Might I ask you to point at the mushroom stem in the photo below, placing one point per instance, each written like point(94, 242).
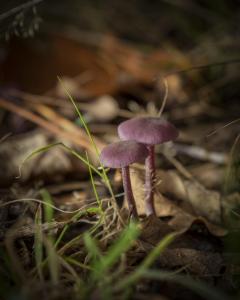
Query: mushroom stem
point(128, 192)
point(149, 181)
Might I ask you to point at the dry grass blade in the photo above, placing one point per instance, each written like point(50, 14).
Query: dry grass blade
point(164, 98)
point(65, 124)
point(49, 126)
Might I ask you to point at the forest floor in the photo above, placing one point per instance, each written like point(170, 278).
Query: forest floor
point(65, 231)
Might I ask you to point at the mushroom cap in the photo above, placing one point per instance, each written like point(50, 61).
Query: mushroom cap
point(147, 130)
point(122, 154)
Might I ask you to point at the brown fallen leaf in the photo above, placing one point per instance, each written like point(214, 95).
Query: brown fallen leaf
point(199, 256)
point(188, 206)
point(197, 262)
point(208, 174)
point(154, 229)
point(204, 202)
point(182, 222)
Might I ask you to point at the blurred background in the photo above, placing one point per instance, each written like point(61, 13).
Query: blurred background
point(42, 39)
point(121, 59)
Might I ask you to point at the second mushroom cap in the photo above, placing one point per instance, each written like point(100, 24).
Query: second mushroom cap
point(122, 154)
point(147, 130)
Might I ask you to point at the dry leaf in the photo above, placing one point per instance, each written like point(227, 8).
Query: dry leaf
point(208, 174)
point(15, 150)
point(154, 229)
point(197, 262)
point(204, 202)
point(186, 208)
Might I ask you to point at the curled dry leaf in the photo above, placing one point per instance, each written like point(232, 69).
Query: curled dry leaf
point(204, 260)
point(190, 202)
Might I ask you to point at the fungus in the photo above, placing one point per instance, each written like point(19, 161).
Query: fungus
point(149, 131)
point(121, 155)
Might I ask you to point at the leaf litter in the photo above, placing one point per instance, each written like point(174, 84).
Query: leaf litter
point(81, 235)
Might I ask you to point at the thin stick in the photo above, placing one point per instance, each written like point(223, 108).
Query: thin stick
point(2, 139)
point(19, 8)
point(165, 97)
point(224, 126)
point(199, 67)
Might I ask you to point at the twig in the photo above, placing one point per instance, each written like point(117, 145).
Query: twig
point(165, 97)
point(53, 101)
point(222, 127)
point(2, 139)
point(178, 165)
point(199, 67)
point(19, 8)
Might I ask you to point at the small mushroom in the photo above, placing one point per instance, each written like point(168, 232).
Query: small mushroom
point(149, 131)
point(121, 155)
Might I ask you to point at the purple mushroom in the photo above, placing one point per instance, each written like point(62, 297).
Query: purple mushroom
point(121, 155)
point(149, 131)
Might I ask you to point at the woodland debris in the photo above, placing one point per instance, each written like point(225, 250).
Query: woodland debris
point(187, 201)
point(15, 150)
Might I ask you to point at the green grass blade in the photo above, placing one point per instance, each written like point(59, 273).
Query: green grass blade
point(157, 250)
point(124, 243)
point(48, 209)
point(48, 147)
point(77, 263)
point(103, 175)
point(92, 247)
point(148, 261)
point(38, 243)
point(70, 243)
point(91, 210)
point(94, 186)
point(52, 260)
point(80, 117)
point(61, 235)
